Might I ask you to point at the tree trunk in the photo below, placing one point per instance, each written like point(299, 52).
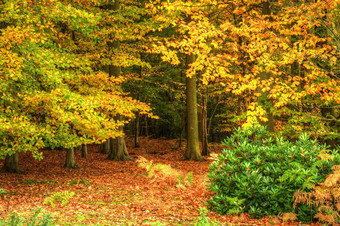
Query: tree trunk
point(118, 150)
point(137, 130)
point(265, 76)
point(183, 126)
point(270, 123)
point(330, 118)
point(192, 152)
point(146, 126)
point(11, 164)
point(70, 162)
point(84, 151)
point(205, 150)
point(105, 147)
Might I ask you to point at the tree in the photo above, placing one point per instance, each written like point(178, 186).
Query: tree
point(192, 152)
point(51, 94)
point(190, 39)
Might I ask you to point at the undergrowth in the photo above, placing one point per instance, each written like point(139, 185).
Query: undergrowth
point(325, 196)
point(37, 219)
point(2, 193)
point(259, 175)
point(78, 181)
point(59, 197)
point(162, 172)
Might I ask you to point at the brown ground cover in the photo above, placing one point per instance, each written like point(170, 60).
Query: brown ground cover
point(114, 193)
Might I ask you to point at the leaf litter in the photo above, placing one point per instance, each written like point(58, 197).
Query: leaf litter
point(116, 193)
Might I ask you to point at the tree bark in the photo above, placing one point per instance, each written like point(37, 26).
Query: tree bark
point(192, 152)
point(328, 113)
point(205, 150)
point(11, 164)
point(105, 147)
point(146, 126)
point(84, 151)
point(70, 162)
point(183, 126)
point(137, 145)
point(265, 76)
point(118, 150)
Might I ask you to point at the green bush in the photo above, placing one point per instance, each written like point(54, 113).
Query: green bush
point(259, 175)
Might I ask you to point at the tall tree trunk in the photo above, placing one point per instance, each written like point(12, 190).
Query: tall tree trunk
point(70, 162)
point(205, 150)
point(137, 130)
point(192, 152)
point(146, 126)
point(84, 151)
point(265, 76)
point(118, 151)
point(183, 126)
point(11, 164)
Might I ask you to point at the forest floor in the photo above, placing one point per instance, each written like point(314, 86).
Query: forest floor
point(115, 193)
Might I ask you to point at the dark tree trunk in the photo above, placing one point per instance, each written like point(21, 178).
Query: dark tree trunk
point(118, 150)
point(84, 151)
point(105, 147)
point(11, 164)
point(137, 131)
point(205, 150)
point(183, 126)
point(70, 162)
point(266, 76)
point(192, 152)
point(330, 118)
point(146, 126)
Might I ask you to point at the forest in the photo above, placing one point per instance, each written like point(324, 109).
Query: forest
point(169, 112)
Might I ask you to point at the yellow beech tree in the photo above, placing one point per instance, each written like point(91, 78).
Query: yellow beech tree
point(286, 68)
point(51, 93)
point(276, 59)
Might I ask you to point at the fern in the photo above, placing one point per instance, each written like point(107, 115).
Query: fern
point(162, 172)
point(190, 177)
point(61, 197)
point(325, 196)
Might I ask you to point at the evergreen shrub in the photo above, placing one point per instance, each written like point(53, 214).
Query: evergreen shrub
point(259, 175)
